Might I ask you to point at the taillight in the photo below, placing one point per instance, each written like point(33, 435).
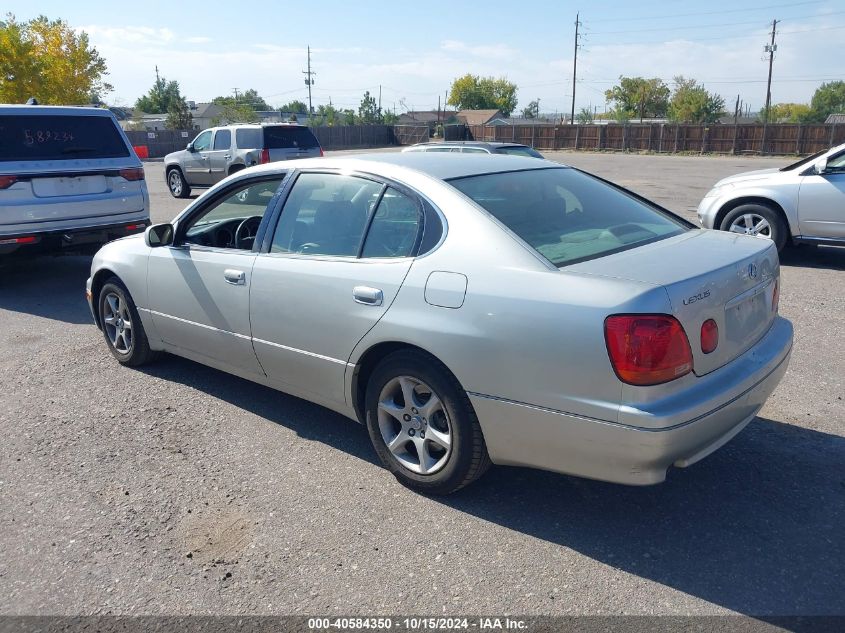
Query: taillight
point(134, 173)
point(647, 349)
point(776, 296)
point(265, 156)
point(321, 152)
point(7, 181)
point(709, 336)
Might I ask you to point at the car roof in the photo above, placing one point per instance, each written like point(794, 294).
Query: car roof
point(490, 144)
point(21, 110)
point(441, 166)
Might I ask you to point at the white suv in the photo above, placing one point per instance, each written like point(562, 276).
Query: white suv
point(69, 180)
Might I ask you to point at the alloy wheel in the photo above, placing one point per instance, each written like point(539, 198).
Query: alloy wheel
point(414, 425)
point(752, 224)
point(175, 182)
point(117, 322)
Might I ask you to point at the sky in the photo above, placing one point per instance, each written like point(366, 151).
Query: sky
point(413, 51)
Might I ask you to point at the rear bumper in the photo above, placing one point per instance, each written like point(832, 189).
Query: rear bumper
point(75, 239)
point(525, 435)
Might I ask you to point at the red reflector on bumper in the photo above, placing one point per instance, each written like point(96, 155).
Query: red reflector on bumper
point(134, 227)
point(30, 239)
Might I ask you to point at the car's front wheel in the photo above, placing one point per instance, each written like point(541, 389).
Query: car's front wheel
point(122, 328)
point(422, 424)
point(757, 220)
point(177, 184)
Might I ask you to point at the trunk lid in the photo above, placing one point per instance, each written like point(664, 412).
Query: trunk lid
point(708, 275)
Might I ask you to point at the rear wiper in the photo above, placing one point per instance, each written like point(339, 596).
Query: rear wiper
point(78, 150)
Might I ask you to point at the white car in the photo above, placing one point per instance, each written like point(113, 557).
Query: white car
point(803, 202)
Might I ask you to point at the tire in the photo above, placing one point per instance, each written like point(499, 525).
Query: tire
point(448, 420)
point(129, 345)
point(758, 220)
point(177, 184)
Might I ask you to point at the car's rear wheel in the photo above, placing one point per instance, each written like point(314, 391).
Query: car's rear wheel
point(177, 184)
point(122, 328)
point(757, 220)
point(422, 424)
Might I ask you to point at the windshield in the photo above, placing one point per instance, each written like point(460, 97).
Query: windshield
point(567, 215)
point(804, 161)
point(519, 150)
point(58, 137)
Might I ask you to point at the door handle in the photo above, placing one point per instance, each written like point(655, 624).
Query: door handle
point(227, 157)
point(367, 296)
point(235, 277)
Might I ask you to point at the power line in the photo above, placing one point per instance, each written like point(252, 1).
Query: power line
point(690, 15)
point(720, 38)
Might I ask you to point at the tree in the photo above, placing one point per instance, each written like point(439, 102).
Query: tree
point(163, 96)
point(790, 113)
point(235, 113)
point(691, 103)
point(532, 111)
point(368, 111)
point(828, 99)
point(584, 116)
point(48, 60)
point(472, 92)
point(639, 97)
point(179, 116)
point(248, 98)
point(296, 106)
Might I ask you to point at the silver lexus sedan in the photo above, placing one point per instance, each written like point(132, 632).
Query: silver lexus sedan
point(467, 309)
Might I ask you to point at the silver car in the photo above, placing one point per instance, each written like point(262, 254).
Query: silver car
point(69, 180)
point(801, 203)
point(221, 151)
point(466, 309)
point(475, 147)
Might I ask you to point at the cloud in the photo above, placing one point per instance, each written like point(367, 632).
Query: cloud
point(198, 40)
point(495, 51)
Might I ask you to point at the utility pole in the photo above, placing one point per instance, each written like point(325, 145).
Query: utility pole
point(770, 49)
point(236, 95)
point(575, 66)
point(309, 82)
point(379, 99)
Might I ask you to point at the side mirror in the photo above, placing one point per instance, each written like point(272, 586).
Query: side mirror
point(190, 147)
point(820, 166)
point(159, 235)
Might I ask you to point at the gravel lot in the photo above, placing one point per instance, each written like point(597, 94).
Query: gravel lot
point(178, 489)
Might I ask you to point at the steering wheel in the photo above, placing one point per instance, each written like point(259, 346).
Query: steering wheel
point(246, 231)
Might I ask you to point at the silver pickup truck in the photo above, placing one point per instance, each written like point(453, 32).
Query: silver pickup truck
point(220, 151)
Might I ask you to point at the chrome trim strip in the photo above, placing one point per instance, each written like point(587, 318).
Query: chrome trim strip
point(301, 351)
point(202, 325)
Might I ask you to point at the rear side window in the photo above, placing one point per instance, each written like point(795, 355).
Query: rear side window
point(519, 150)
point(287, 137)
point(566, 215)
point(248, 138)
point(394, 228)
point(222, 139)
point(54, 137)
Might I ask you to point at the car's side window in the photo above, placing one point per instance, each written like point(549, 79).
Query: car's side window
point(473, 150)
point(836, 163)
point(395, 226)
point(222, 139)
point(232, 221)
point(325, 214)
point(203, 141)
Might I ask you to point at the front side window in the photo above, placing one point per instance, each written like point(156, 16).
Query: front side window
point(222, 139)
point(836, 163)
point(326, 214)
point(203, 141)
point(232, 221)
point(566, 215)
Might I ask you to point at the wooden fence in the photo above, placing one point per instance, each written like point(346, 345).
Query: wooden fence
point(780, 138)
point(162, 142)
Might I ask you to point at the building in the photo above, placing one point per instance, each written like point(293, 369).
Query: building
point(835, 119)
point(479, 117)
point(426, 117)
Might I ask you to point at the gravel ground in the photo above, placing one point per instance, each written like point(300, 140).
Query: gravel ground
point(177, 489)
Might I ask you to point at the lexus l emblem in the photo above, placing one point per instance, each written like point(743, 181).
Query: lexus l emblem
point(752, 271)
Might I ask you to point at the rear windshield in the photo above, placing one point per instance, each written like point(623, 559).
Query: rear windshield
point(286, 137)
point(519, 150)
point(53, 137)
point(566, 215)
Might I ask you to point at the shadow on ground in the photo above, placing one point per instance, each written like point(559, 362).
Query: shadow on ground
point(832, 257)
point(755, 528)
point(49, 287)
